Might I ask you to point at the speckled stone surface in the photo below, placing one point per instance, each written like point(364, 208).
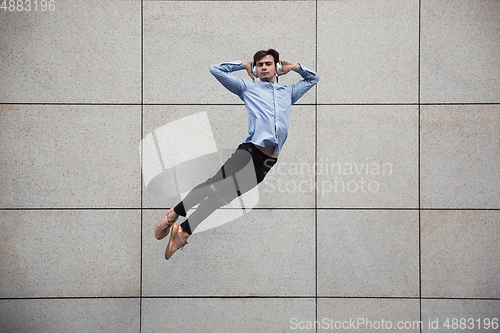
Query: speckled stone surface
point(68, 156)
point(366, 314)
point(183, 38)
point(461, 315)
point(367, 156)
point(368, 51)
point(459, 160)
point(262, 253)
point(70, 253)
point(70, 315)
point(246, 315)
point(459, 51)
point(460, 253)
point(384, 204)
point(368, 253)
point(83, 51)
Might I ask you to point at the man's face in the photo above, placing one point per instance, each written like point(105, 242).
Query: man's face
point(266, 69)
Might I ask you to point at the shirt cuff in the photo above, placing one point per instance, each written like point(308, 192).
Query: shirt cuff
point(303, 70)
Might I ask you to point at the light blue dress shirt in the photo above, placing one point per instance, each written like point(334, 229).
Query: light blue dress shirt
point(268, 104)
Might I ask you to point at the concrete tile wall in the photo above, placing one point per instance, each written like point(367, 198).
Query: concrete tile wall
point(76, 156)
point(70, 315)
point(368, 51)
point(79, 52)
point(383, 207)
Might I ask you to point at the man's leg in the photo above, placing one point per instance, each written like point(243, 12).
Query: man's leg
point(204, 210)
point(223, 192)
point(242, 181)
point(215, 200)
point(194, 197)
point(214, 185)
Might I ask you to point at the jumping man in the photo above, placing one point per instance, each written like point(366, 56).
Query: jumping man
point(269, 107)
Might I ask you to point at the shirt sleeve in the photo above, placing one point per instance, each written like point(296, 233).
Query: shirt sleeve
point(232, 83)
point(310, 78)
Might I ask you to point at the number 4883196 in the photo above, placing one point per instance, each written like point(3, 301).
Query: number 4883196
point(28, 5)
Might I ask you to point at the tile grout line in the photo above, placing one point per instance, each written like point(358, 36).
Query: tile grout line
point(249, 297)
point(316, 175)
point(240, 104)
point(258, 208)
point(418, 171)
point(142, 152)
point(316, 156)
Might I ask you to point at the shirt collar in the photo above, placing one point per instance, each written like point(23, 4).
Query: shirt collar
point(276, 83)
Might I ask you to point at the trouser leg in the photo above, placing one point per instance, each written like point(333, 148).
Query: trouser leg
point(216, 199)
point(194, 197)
point(204, 210)
point(230, 188)
point(221, 189)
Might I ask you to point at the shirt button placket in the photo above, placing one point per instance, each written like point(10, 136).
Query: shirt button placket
point(275, 115)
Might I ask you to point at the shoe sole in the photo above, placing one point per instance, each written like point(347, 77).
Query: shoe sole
point(175, 229)
point(156, 226)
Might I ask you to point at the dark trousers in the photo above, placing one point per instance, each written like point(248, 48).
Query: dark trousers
point(246, 168)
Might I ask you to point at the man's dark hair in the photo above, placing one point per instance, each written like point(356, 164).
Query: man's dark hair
point(262, 53)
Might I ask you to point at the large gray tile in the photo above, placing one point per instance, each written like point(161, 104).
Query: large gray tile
point(83, 51)
point(368, 156)
point(460, 315)
point(460, 253)
point(368, 315)
point(69, 156)
point(185, 145)
point(459, 160)
point(183, 38)
point(70, 315)
point(459, 51)
point(368, 253)
point(64, 253)
point(215, 315)
point(262, 253)
point(368, 51)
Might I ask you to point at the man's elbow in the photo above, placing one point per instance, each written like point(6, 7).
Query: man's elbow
point(213, 69)
point(316, 78)
point(312, 78)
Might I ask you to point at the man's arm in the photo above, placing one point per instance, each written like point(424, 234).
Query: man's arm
point(310, 78)
point(287, 66)
point(233, 83)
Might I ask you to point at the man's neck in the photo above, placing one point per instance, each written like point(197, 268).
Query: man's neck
point(270, 80)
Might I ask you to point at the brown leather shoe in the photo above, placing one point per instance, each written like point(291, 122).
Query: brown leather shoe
point(178, 239)
point(162, 228)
